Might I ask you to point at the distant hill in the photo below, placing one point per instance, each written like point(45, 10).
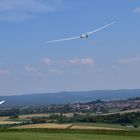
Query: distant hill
point(68, 97)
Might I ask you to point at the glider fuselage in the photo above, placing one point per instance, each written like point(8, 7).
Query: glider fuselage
point(84, 36)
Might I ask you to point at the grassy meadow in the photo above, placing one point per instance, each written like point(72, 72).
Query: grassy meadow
point(61, 136)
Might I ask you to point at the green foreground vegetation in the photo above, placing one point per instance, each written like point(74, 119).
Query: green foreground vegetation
point(62, 136)
point(57, 134)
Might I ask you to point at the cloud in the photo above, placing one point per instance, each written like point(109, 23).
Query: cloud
point(32, 71)
point(129, 60)
point(82, 61)
point(46, 61)
point(137, 10)
point(64, 62)
point(30, 68)
point(87, 61)
point(56, 71)
point(17, 10)
point(4, 72)
point(75, 61)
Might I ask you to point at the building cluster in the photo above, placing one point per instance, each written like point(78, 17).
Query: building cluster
point(106, 106)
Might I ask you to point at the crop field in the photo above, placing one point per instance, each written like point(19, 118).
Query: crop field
point(104, 126)
point(122, 112)
point(44, 115)
point(70, 126)
point(85, 126)
point(61, 136)
point(4, 120)
point(8, 122)
point(47, 125)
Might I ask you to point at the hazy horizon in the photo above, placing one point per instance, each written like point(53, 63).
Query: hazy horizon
point(65, 91)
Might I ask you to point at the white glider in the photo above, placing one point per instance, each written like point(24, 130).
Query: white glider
point(2, 102)
point(84, 35)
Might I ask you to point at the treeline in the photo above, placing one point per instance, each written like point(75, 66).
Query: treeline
point(35, 110)
point(9, 112)
point(123, 119)
point(126, 118)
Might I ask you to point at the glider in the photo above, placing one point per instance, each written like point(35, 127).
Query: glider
point(83, 35)
point(2, 102)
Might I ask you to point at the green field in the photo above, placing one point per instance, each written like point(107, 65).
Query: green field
point(67, 134)
point(61, 136)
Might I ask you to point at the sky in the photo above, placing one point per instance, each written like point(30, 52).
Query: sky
point(108, 59)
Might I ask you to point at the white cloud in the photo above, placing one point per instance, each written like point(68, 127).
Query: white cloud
point(137, 10)
point(75, 61)
point(32, 71)
point(129, 60)
point(87, 61)
point(4, 72)
point(55, 71)
point(46, 61)
point(82, 61)
point(30, 68)
point(17, 10)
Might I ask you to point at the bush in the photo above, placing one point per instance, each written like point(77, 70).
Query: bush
point(38, 120)
point(136, 126)
point(123, 124)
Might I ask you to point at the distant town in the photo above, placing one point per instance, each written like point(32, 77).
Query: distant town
point(94, 107)
point(100, 106)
